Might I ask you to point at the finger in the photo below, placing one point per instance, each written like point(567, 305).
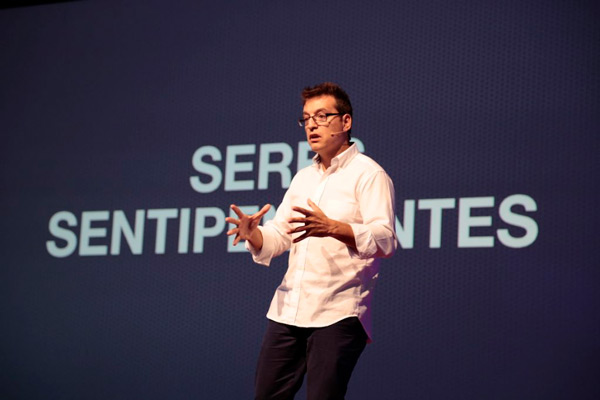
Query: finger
point(313, 205)
point(232, 221)
point(262, 211)
point(302, 210)
point(236, 240)
point(237, 210)
point(299, 238)
point(298, 229)
point(300, 220)
point(232, 231)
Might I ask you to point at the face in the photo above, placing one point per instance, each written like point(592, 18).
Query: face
point(330, 139)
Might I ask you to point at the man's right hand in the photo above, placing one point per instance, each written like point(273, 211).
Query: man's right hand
point(246, 226)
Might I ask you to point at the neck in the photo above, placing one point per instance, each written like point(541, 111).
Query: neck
point(326, 158)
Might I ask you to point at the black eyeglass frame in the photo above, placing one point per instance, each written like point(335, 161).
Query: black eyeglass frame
point(302, 121)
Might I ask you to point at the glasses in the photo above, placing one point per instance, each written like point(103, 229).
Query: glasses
point(320, 118)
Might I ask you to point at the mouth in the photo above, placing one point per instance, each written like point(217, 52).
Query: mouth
point(313, 137)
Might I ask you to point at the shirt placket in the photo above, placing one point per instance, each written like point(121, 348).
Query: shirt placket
point(303, 253)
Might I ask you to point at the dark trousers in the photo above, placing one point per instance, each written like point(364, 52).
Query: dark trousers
point(327, 355)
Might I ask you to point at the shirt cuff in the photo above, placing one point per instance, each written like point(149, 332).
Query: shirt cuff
point(265, 254)
point(366, 247)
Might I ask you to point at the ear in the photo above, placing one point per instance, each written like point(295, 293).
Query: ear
point(347, 121)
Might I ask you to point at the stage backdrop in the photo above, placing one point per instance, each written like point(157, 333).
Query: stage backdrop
point(128, 128)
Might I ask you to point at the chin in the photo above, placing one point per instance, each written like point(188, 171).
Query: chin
point(314, 147)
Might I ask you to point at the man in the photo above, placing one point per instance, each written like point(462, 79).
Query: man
point(337, 220)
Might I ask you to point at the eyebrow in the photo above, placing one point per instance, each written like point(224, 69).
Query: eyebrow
point(320, 109)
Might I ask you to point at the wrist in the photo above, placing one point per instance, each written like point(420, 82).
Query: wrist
point(256, 239)
point(343, 232)
point(334, 228)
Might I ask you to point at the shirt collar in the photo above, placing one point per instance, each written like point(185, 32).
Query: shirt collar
point(339, 161)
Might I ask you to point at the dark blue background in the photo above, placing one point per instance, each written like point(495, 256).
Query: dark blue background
point(102, 105)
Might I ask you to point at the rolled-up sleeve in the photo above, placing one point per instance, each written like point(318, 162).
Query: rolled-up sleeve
point(274, 243)
point(375, 236)
point(276, 240)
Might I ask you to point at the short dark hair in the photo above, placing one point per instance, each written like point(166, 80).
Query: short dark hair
point(342, 101)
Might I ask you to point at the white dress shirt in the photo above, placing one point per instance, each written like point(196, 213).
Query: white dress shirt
point(326, 280)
